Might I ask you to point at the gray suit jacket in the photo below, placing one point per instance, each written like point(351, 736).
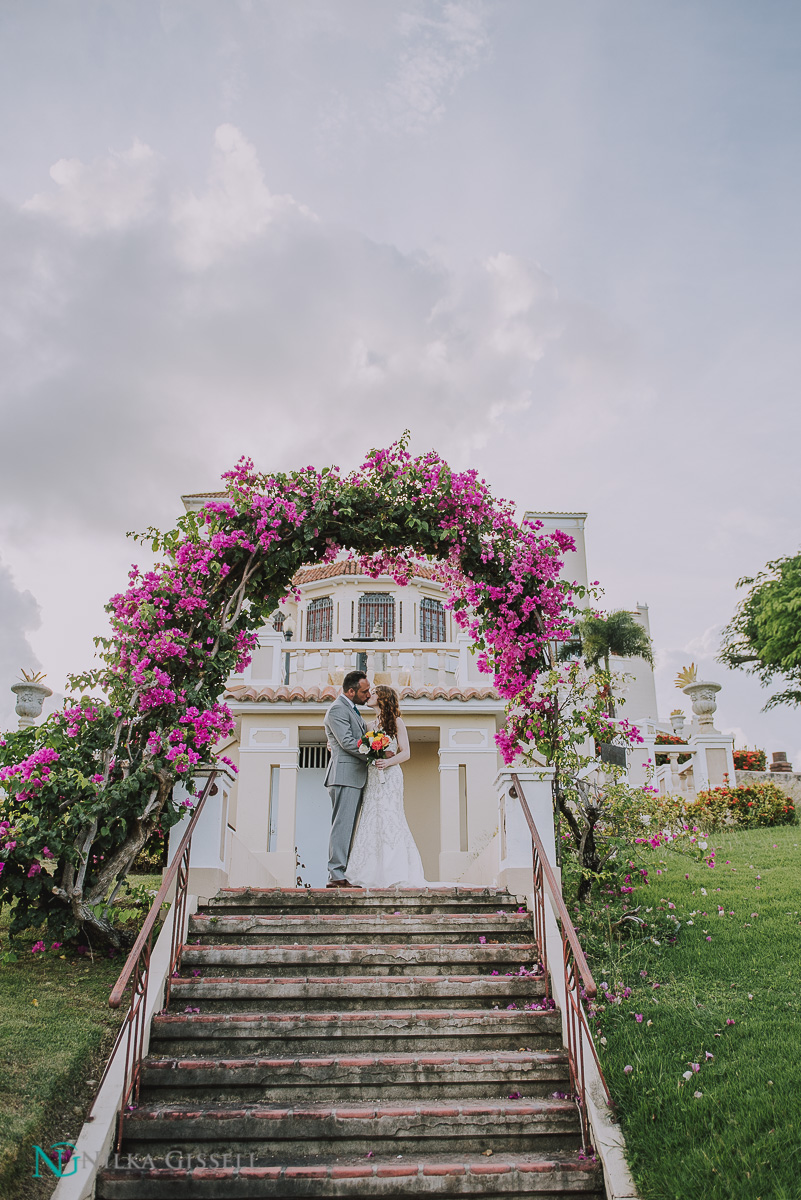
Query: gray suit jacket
point(347, 767)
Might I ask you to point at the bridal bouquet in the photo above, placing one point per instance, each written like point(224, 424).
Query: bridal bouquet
point(375, 745)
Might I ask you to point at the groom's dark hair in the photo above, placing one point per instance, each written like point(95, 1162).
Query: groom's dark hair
point(352, 681)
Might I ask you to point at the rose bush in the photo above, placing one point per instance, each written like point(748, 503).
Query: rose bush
point(747, 806)
point(750, 760)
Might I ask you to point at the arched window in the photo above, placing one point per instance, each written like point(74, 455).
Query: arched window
point(432, 621)
point(320, 619)
point(377, 615)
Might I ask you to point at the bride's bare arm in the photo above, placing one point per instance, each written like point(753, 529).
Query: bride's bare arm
point(403, 752)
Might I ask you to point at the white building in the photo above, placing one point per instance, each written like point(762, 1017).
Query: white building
point(271, 824)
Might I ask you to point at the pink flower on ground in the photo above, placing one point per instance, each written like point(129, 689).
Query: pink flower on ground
point(56, 946)
point(638, 1018)
point(729, 1021)
point(628, 1069)
point(38, 948)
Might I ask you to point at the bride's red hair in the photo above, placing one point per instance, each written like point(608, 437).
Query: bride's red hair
point(388, 708)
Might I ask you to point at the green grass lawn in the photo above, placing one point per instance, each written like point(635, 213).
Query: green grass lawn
point(56, 1030)
point(725, 997)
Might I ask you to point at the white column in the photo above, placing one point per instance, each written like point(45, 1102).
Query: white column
point(463, 669)
point(448, 805)
point(273, 639)
point(714, 757)
point(209, 840)
point(515, 842)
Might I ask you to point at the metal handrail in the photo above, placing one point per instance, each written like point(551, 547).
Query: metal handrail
point(577, 975)
point(137, 967)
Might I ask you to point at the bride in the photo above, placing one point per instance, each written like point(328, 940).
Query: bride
point(383, 852)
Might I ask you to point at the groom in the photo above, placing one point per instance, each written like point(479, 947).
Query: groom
point(347, 771)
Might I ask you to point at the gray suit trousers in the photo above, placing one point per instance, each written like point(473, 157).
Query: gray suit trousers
point(346, 801)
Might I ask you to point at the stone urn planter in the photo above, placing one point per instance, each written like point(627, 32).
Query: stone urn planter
point(31, 695)
point(703, 695)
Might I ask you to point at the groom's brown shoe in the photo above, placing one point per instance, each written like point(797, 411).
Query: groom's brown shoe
point(340, 883)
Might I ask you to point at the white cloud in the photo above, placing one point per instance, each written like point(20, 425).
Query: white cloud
point(438, 52)
point(236, 207)
point(197, 335)
point(111, 193)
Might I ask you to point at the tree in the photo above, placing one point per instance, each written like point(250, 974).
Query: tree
point(617, 633)
point(764, 635)
point(562, 716)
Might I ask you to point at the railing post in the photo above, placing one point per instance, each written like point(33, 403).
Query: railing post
point(515, 860)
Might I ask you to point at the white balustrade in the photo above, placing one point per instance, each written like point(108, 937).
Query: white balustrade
point(315, 664)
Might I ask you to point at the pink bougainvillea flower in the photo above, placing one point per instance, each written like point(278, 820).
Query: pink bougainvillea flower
point(638, 1018)
point(38, 948)
point(35, 869)
point(628, 1069)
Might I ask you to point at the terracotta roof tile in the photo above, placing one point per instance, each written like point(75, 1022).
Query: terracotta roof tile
point(244, 693)
point(347, 567)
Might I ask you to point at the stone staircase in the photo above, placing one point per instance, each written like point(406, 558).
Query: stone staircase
point(341, 1043)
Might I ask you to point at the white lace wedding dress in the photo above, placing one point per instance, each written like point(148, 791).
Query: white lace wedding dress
point(383, 852)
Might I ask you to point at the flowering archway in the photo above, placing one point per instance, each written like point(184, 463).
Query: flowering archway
point(84, 791)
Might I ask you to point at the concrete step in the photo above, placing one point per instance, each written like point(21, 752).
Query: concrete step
point(351, 993)
point(368, 1077)
point(553, 1176)
point(386, 959)
point(300, 1033)
point(323, 900)
point(347, 929)
point(378, 1127)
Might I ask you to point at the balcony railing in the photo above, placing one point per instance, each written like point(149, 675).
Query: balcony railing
point(401, 664)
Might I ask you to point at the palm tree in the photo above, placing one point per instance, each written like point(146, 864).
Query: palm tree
point(618, 633)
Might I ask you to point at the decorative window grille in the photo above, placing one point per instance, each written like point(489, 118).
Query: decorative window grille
point(278, 621)
point(432, 621)
point(314, 756)
point(377, 615)
point(320, 620)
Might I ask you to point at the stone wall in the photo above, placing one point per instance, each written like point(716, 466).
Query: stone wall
point(787, 781)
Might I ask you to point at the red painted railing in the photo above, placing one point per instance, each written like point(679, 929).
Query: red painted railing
point(577, 975)
point(137, 967)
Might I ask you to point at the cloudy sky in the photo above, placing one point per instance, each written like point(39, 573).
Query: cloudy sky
point(557, 239)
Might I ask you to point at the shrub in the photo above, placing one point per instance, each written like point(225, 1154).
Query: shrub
point(747, 806)
point(669, 739)
point(750, 760)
